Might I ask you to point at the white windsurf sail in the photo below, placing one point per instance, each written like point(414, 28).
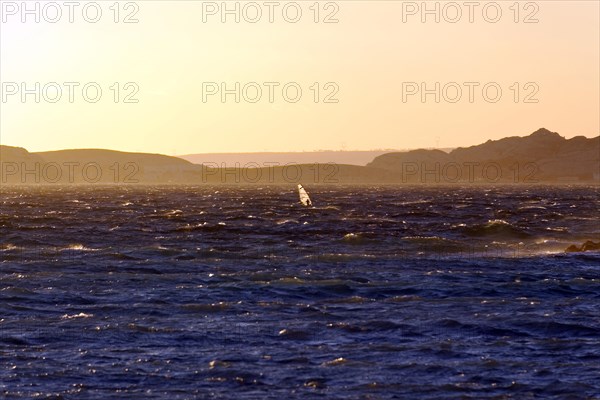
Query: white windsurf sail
point(304, 199)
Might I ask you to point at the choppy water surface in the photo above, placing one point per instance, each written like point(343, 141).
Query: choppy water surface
point(229, 292)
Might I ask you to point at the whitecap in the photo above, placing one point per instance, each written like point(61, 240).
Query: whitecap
point(77, 247)
point(287, 221)
point(80, 315)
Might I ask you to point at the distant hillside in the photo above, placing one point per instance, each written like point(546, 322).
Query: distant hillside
point(299, 173)
point(282, 158)
point(111, 156)
point(543, 156)
point(109, 167)
point(90, 166)
point(17, 154)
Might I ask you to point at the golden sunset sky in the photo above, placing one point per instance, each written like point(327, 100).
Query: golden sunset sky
point(372, 54)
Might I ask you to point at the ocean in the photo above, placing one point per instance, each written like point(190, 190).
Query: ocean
point(386, 292)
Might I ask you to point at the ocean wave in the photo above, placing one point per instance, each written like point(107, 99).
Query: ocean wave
point(75, 316)
point(10, 247)
point(353, 238)
point(287, 221)
point(496, 227)
point(77, 247)
point(203, 226)
point(338, 257)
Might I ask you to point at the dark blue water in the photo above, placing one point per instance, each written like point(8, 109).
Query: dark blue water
point(228, 292)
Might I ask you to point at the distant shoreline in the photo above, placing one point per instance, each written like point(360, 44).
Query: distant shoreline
point(542, 157)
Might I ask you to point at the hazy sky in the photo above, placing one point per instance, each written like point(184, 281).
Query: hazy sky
point(374, 62)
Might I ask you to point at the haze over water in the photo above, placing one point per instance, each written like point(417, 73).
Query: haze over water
point(222, 292)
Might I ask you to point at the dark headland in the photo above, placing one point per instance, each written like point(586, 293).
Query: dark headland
point(542, 157)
